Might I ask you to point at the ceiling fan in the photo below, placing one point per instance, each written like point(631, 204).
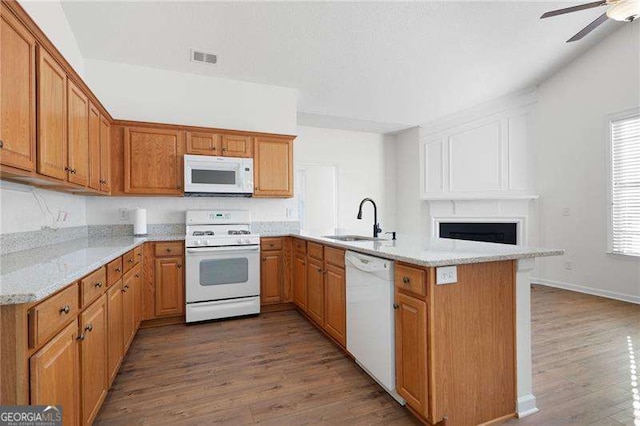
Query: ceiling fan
point(619, 10)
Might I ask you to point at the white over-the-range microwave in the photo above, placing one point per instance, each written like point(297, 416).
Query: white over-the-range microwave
point(223, 176)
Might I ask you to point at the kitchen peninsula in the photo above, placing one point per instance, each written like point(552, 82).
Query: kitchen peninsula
point(455, 343)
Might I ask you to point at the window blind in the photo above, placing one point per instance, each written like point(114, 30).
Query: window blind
point(625, 190)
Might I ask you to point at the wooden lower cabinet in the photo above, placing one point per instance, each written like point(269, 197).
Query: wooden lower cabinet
point(128, 309)
point(335, 303)
point(169, 287)
point(115, 329)
point(299, 278)
point(411, 351)
point(93, 358)
point(54, 374)
point(271, 277)
point(315, 290)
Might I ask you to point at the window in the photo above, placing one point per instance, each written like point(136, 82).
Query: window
point(625, 184)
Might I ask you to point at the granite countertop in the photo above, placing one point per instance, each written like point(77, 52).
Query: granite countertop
point(436, 251)
point(31, 275)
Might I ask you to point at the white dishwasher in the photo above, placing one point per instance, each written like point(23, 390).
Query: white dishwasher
point(370, 318)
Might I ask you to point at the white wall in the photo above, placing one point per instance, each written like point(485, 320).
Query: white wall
point(411, 212)
point(26, 208)
point(572, 172)
point(365, 169)
point(51, 19)
point(148, 94)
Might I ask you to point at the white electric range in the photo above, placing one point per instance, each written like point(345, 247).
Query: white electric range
point(223, 265)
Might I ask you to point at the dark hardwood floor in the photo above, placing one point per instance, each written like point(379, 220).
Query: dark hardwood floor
point(278, 369)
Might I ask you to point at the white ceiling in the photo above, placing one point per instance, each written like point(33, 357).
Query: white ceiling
point(364, 66)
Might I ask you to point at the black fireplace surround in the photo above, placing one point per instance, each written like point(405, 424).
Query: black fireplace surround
point(492, 232)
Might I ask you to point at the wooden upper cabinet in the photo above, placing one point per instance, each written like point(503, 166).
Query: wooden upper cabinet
point(105, 155)
point(273, 167)
point(94, 148)
point(237, 146)
point(153, 161)
point(54, 374)
point(52, 117)
point(17, 93)
point(200, 143)
point(78, 135)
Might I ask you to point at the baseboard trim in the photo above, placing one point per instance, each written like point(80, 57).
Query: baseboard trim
point(587, 290)
point(526, 406)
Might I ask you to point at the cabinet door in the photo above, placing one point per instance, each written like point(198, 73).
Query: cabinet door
point(54, 374)
point(78, 135)
point(114, 327)
point(93, 358)
point(95, 162)
point(411, 351)
point(273, 167)
point(17, 93)
point(169, 287)
point(153, 161)
point(52, 117)
point(300, 281)
point(237, 146)
point(137, 275)
point(335, 312)
point(204, 143)
point(271, 277)
point(315, 291)
point(105, 155)
point(128, 310)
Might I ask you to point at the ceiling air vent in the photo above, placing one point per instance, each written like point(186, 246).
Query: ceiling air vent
point(199, 56)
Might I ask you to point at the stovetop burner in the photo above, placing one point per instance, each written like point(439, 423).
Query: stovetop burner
point(239, 232)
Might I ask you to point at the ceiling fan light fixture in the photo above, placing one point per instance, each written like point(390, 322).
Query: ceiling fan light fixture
point(627, 10)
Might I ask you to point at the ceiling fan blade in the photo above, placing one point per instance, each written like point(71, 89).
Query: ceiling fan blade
point(573, 9)
point(592, 26)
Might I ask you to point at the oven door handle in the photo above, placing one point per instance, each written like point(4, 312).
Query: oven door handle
point(219, 249)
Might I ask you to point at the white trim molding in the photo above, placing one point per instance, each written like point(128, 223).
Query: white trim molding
point(587, 290)
point(526, 401)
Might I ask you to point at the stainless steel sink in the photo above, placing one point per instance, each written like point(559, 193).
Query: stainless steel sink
point(351, 238)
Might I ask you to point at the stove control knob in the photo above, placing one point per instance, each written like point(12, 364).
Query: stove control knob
point(198, 242)
point(239, 240)
point(247, 241)
point(208, 242)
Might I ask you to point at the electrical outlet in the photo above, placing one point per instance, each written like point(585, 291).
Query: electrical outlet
point(566, 211)
point(568, 265)
point(288, 212)
point(446, 275)
point(124, 215)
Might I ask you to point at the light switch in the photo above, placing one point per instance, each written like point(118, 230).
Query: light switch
point(446, 275)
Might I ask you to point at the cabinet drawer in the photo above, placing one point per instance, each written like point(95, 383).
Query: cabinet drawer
point(334, 256)
point(173, 248)
point(92, 286)
point(411, 279)
point(114, 271)
point(137, 254)
point(128, 260)
point(315, 250)
point(46, 318)
point(300, 246)
point(271, 243)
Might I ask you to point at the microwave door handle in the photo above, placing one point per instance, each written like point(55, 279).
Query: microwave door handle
point(219, 249)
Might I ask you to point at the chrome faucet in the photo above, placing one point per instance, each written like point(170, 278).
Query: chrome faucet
point(376, 225)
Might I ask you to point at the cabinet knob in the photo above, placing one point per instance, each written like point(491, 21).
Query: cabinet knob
point(396, 306)
point(89, 327)
point(319, 270)
point(406, 280)
point(66, 309)
point(1, 144)
point(130, 260)
point(80, 337)
point(168, 250)
point(137, 275)
point(179, 265)
point(118, 269)
point(98, 284)
point(67, 169)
